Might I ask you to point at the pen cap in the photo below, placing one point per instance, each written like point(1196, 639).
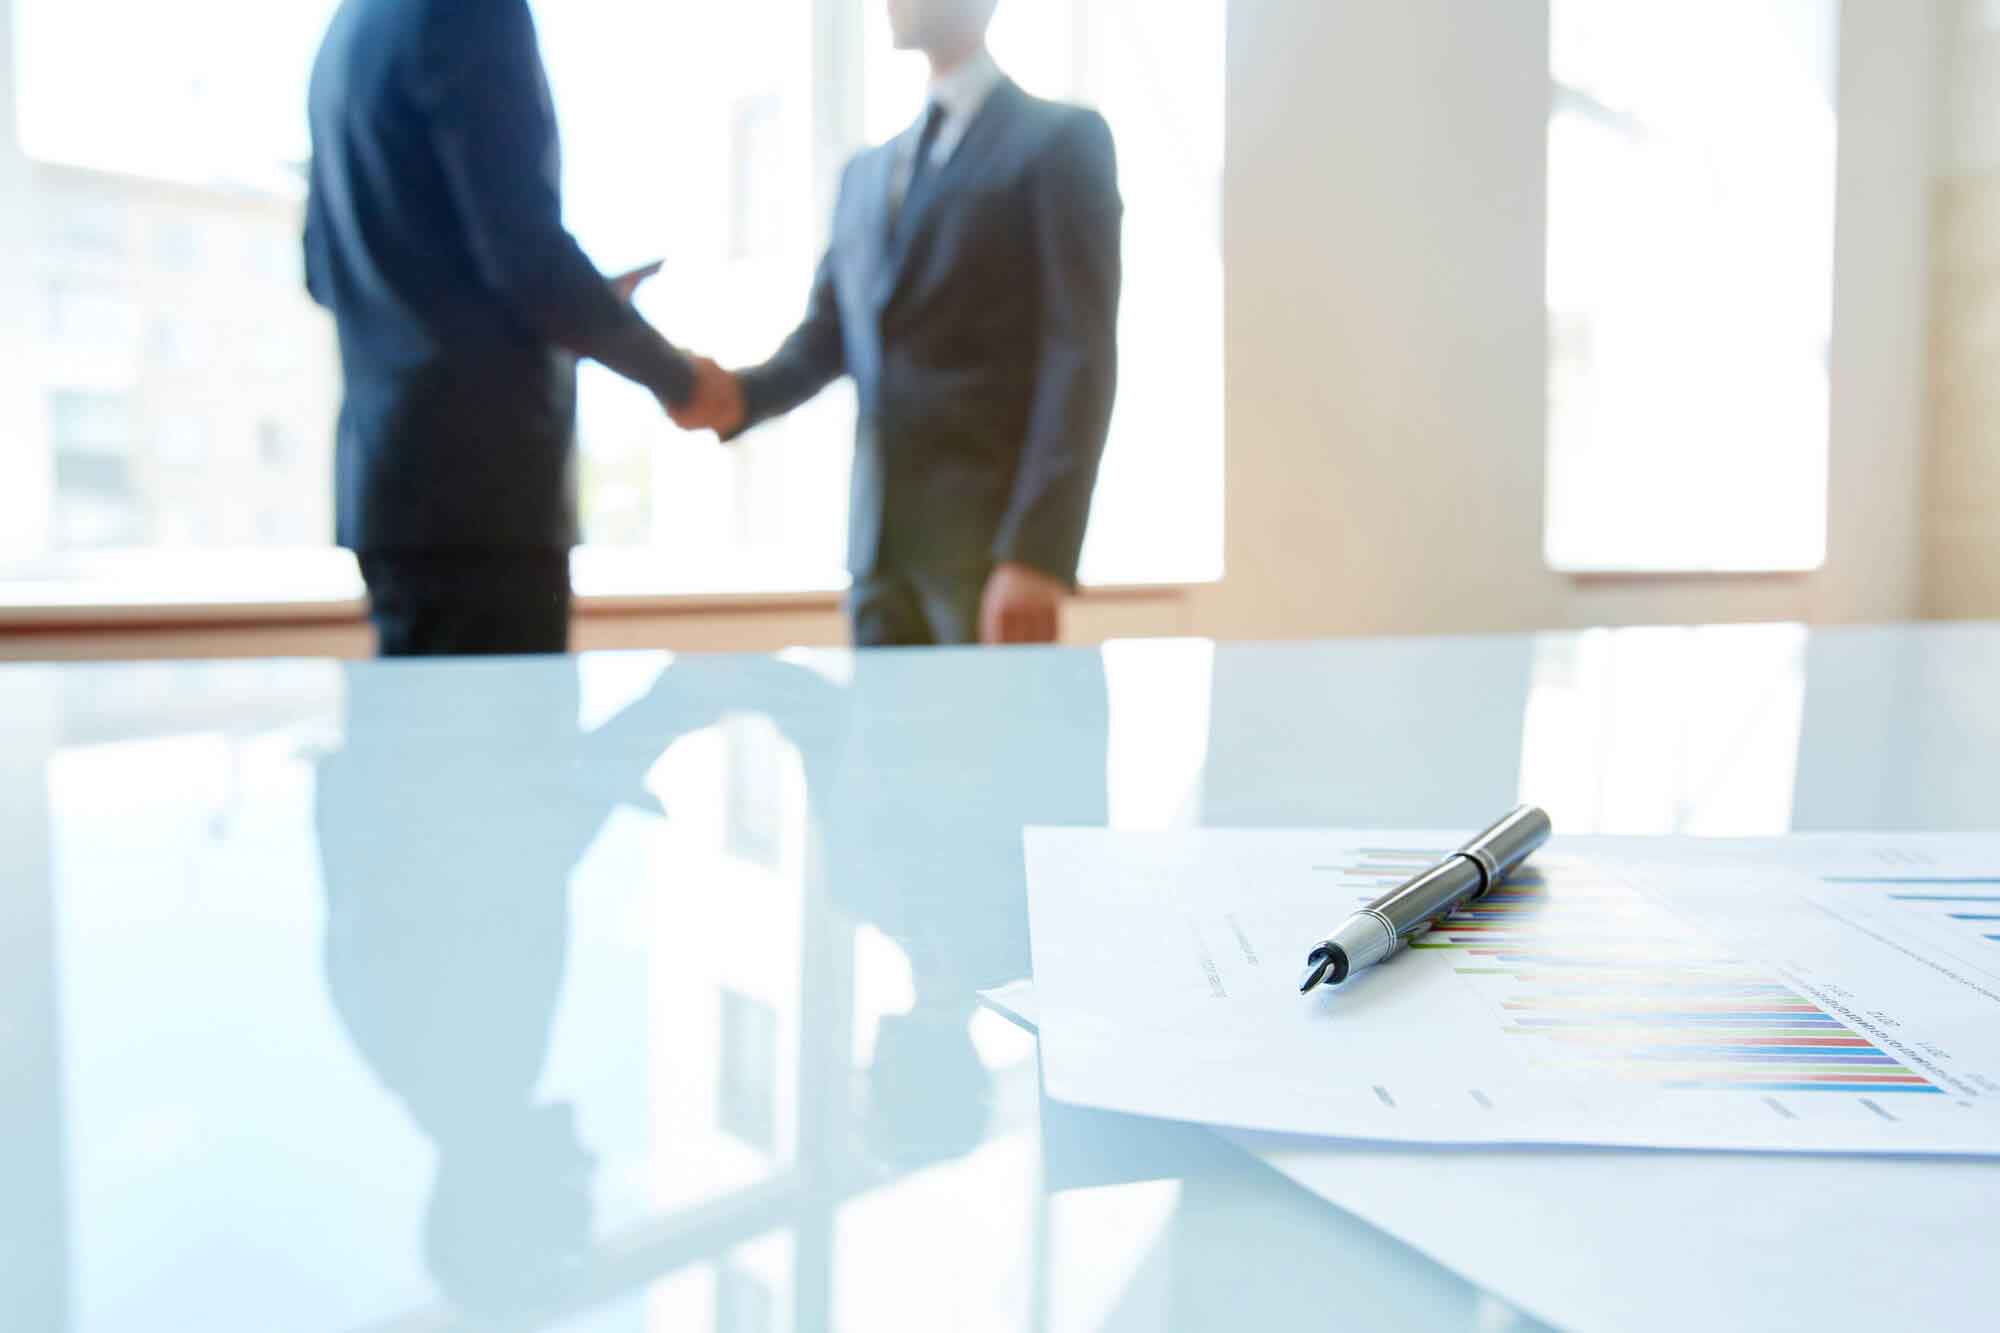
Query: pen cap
point(1508, 843)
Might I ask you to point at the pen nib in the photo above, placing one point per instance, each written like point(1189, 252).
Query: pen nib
point(1317, 967)
point(1325, 966)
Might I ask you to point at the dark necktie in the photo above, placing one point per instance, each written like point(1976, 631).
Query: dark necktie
point(920, 167)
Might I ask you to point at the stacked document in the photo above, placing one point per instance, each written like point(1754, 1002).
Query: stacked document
point(1829, 1004)
point(1657, 994)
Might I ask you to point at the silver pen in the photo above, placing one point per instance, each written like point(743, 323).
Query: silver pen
point(1413, 907)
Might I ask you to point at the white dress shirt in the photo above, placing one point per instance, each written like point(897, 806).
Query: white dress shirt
point(961, 93)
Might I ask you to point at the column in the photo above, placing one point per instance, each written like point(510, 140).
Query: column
point(1962, 507)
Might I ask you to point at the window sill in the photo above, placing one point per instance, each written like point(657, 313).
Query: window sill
point(1602, 577)
point(137, 615)
point(603, 593)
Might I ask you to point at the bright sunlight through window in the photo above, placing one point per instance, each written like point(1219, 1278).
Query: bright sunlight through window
point(1690, 280)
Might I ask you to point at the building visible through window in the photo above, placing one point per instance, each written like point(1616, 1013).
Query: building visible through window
point(91, 438)
point(136, 326)
point(163, 176)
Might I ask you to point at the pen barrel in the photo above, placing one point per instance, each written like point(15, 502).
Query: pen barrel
point(1508, 843)
point(1413, 907)
point(1435, 894)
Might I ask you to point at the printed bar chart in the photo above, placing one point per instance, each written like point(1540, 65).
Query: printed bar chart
point(1659, 993)
point(1616, 988)
point(1963, 906)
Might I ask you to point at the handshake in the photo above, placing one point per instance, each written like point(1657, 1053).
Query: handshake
point(716, 403)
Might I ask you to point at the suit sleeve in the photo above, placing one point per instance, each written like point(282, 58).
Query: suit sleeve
point(485, 92)
point(1078, 217)
point(814, 356)
point(314, 268)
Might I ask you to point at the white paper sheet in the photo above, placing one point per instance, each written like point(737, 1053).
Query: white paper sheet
point(1661, 1242)
point(1654, 993)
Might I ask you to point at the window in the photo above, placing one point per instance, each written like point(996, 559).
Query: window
point(87, 229)
point(181, 342)
point(85, 423)
point(748, 1086)
point(1690, 280)
point(756, 226)
point(181, 440)
point(91, 436)
point(273, 256)
point(177, 245)
point(710, 136)
point(98, 322)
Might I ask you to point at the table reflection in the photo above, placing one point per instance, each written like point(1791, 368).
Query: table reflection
point(447, 923)
point(633, 992)
point(449, 883)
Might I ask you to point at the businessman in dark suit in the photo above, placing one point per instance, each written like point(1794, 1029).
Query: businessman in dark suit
point(971, 291)
point(434, 234)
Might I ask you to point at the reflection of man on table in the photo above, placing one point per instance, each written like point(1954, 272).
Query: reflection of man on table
point(932, 856)
point(447, 935)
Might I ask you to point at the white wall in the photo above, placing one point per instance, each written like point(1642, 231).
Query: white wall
point(24, 461)
point(1384, 214)
point(1962, 514)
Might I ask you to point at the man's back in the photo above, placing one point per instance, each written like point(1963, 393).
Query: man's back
point(387, 248)
point(434, 233)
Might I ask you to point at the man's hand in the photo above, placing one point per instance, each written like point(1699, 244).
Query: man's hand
point(717, 403)
point(1021, 605)
point(627, 285)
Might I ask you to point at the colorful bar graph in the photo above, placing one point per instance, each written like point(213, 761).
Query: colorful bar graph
point(1912, 879)
point(1945, 897)
point(1945, 900)
point(1611, 985)
point(1713, 1086)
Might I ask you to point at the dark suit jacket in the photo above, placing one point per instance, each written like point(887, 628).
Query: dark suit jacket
point(434, 233)
point(982, 338)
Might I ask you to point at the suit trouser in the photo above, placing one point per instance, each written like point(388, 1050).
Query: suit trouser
point(434, 603)
point(895, 608)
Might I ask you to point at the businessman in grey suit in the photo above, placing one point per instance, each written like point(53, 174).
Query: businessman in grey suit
point(971, 291)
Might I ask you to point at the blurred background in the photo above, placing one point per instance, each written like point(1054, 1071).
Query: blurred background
point(1439, 317)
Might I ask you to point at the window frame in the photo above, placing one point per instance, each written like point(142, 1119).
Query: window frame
point(1572, 99)
point(147, 586)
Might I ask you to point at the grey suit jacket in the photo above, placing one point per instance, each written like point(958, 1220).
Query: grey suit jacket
point(981, 334)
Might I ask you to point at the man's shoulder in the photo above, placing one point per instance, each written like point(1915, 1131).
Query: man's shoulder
point(436, 29)
point(1054, 115)
point(366, 30)
point(864, 161)
point(378, 18)
point(1048, 126)
point(874, 152)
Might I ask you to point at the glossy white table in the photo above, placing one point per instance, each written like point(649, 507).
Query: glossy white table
point(624, 993)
